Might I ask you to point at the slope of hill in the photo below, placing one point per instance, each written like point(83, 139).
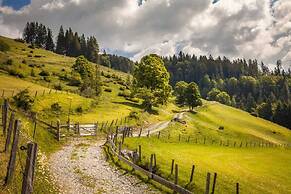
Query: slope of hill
point(257, 169)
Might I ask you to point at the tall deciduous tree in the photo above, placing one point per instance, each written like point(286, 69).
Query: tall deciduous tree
point(192, 95)
point(151, 81)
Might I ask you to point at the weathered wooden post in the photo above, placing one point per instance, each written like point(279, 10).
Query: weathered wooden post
point(140, 131)
point(34, 129)
point(96, 128)
point(192, 173)
point(176, 174)
point(172, 166)
point(148, 133)
point(3, 93)
point(43, 92)
point(28, 176)
point(139, 153)
point(35, 95)
point(58, 130)
point(237, 188)
point(214, 183)
point(151, 165)
point(5, 108)
point(207, 183)
point(119, 149)
point(155, 162)
point(12, 159)
point(159, 135)
point(9, 132)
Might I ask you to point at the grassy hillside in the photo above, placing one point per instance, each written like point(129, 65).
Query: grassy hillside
point(258, 170)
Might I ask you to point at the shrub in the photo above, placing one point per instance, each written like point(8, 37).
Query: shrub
point(19, 40)
point(23, 49)
point(58, 86)
point(31, 65)
point(31, 52)
point(134, 115)
point(32, 73)
point(79, 109)
point(108, 90)
point(75, 80)
point(44, 73)
point(122, 88)
point(125, 93)
point(31, 47)
point(24, 61)
point(14, 72)
point(29, 55)
point(37, 56)
point(47, 79)
point(9, 62)
point(4, 47)
point(136, 100)
point(23, 100)
point(56, 107)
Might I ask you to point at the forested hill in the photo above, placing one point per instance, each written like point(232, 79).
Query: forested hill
point(247, 85)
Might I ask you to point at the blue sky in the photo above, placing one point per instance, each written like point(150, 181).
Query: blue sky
point(15, 4)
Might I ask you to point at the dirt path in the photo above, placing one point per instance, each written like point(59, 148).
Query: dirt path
point(154, 128)
point(80, 167)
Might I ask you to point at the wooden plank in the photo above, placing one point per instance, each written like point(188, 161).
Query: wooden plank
point(12, 159)
point(28, 175)
point(9, 132)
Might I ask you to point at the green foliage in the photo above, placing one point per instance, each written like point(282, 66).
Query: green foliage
point(151, 81)
point(125, 93)
point(9, 62)
point(192, 95)
point(83, 67)
point(23, 100)
point(56, 107)
point(107, 89)
point(219, 96)
point(44, 73)
point(180, 91)
point(4, 47)
point(265, 110)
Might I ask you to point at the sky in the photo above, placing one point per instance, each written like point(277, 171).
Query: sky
point(256, 29)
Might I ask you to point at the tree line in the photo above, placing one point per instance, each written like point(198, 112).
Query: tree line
point(247, 85)
point(72, 44)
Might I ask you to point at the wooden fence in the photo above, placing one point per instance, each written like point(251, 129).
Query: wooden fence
point(209, 141)
point(12, 132)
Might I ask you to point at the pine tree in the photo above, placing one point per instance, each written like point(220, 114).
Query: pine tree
point(49, 41)
point(83, 45)
point(76, 47)
point(93, 49)
point(60, 49)
point(41, 35)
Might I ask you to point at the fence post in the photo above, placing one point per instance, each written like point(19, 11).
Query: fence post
point(140, 131)
point(176, 174)
point(172, 167)
point(148, 133)
point(34, 129)
point(3, 93)
point(214, 183)
point(96, 128)
point(139, 153)
point(159, 135)
point(9, 132)
point(12, 159)
point(35, 94)
point(237, 188)
point(188, 139)
point(78, 128)
point(58, 130)
point(5, 115)
point(207, 183)
point(151, 165)
point(192, 173)
point(119, 149)
point(28, 176)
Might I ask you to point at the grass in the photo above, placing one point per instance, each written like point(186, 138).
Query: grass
point(258, 170)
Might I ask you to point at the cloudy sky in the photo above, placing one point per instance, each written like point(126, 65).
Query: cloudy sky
point(235, 28)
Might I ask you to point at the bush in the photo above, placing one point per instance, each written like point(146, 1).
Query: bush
point(23, 49)
point(75, 80)
point(9, 62)
point(19, 40)
point(44, 73)
point(108, 90)
point(14, 72)
point(31, 47)
point(134, 115)
point(37, 56)
point(125, 93)
point(32, 73)
point(23, 100)
point(79, 109)
point(31, 65)
point(56, 107)
point(136, 100)
point(24, 61)
point(4, 47)
point(58, 87)
point(29, 55)
point(122, 88)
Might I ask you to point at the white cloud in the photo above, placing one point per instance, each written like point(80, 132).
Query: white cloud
point(241, 28)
